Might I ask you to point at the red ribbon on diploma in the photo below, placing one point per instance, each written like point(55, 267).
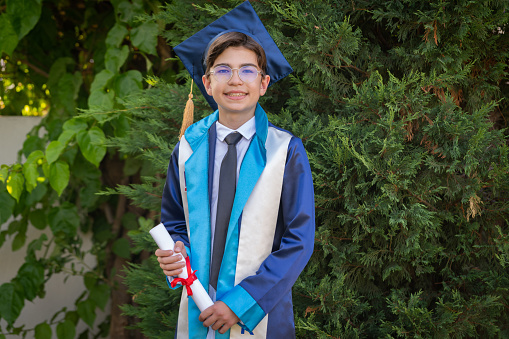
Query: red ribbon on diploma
point(191, 277)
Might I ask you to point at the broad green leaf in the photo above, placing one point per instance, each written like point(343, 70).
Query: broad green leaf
point(101, 80)
point(128, 11)
point(38, 219)
point(86, 310)
point(54, 128)
point(32, 144)
point(64, 219)
point(66, 136)
point(67, 88)
point(19, 241)
point(57, 71)
point(35, 156)
point(145, 37)
point(8, 38)
point(121, 247)
point(148, 62)
point(31, 278)
point(145, 224)
point(116, 35)
point(24, 15)
point(37, 193)
point(89, 279)
point(4, 173)
point(16, 167)
point(6, 204)
point(88, 193)
point(45, 169)
point(70, 154)
point(59, 175)
point(128, 83)
point(31, 174)
point(99, 99)
point(75, 125)
point(100, 294)
point(66, 330)
point(121, 125)
point(91, 144)
point(11, 302)
point(15, 226)
point(36, 245)
point(53, 151)
point(43, 331)
point(77, 79)
point(115, 58)
point(73, 317)
point(65, 93)
point(15, 185)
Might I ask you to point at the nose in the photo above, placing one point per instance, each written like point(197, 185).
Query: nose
point(235, 79)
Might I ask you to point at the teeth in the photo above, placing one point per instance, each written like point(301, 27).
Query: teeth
point(235, 94)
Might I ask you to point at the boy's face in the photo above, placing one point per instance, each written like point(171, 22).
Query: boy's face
point(235, 98)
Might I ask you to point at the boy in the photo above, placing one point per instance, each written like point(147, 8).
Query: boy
point(239, 194)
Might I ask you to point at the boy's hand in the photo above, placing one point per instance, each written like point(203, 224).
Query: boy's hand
point(219, 316)
point(169, 260)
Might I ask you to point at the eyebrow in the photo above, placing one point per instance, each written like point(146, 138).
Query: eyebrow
point(242, 65)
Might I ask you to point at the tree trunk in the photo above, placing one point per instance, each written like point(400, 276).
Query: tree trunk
point(113, 176)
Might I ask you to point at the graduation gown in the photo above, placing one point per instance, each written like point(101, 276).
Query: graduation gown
point(271, 231)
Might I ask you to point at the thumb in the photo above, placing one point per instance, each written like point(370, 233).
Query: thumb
point(180, 248)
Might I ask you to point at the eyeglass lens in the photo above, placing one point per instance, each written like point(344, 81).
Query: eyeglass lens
point(224, 73)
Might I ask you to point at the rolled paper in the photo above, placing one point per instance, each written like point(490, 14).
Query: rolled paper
point(187, 278)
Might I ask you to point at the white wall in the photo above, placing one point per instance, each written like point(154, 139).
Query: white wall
point(13, 132)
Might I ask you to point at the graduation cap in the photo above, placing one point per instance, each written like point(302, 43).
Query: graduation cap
point(243, 19)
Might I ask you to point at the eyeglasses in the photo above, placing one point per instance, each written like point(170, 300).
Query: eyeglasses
point(224, 73)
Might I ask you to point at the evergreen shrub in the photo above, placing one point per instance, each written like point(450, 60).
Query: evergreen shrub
point(402, 107)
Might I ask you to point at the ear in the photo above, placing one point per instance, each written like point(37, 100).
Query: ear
point(264, 84)
point(206, 84)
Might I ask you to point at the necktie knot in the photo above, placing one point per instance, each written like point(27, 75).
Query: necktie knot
point(233, 138)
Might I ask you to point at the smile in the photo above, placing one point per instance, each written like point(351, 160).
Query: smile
point(235, 94)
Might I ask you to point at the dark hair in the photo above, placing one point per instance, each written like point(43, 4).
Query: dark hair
point(234, 39)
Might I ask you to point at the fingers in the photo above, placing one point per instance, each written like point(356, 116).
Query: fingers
point(215, 322)
point(218, 326)
point(161, 253)
point(206, 313)
point(170, 262)
point(180, 248)
point(225, 327)
point(172, 270)
point(219, 317)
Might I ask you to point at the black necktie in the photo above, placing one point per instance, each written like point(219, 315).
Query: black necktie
point(225, 196)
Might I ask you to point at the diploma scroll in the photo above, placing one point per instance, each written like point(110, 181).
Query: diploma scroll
point(199, 295)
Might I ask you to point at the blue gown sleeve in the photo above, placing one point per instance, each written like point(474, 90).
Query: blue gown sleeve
point(257, 295)
point(172, 209)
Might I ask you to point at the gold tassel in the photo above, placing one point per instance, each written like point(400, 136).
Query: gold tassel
point(188, 118)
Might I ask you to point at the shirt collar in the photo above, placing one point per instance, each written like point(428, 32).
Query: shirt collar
point(247, 130)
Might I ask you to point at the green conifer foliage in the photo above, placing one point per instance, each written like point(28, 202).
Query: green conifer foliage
point(402, 107)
